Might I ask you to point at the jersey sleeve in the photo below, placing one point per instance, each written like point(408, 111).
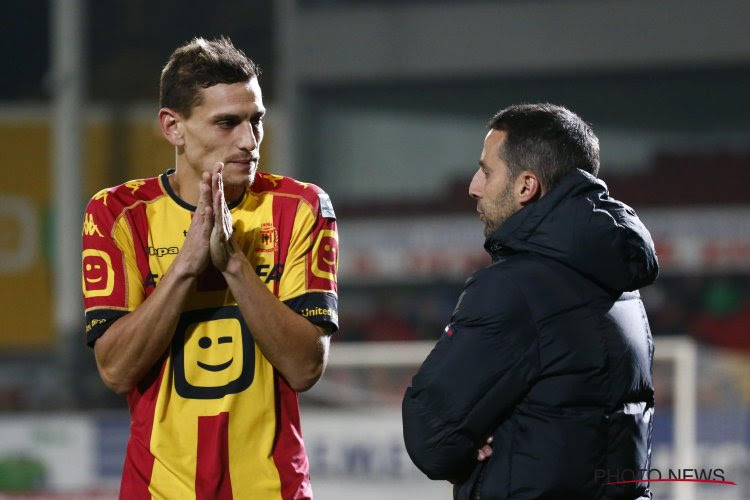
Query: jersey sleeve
point(109, 275)
point(309, 283)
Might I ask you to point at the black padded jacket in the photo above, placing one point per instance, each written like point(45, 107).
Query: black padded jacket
point(549, 351)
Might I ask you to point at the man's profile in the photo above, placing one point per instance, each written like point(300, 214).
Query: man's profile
point(543, 378)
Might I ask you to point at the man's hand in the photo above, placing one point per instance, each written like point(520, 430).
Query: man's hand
point(194, 254)
point(222, 245)
point(485, 451)
point(135, 342)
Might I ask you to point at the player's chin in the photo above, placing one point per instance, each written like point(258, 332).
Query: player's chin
point(243, 174)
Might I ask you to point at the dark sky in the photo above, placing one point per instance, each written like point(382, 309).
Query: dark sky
point(127, 42)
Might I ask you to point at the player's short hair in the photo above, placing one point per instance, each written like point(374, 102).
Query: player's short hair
point(200, 64)
point(547, 139)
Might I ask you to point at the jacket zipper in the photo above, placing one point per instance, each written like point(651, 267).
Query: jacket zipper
point(478, 487)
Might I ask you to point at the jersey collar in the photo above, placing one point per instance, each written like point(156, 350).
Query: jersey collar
point(183, 203)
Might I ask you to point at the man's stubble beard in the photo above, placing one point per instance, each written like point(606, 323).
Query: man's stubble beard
point(246, 181)
point(253, 172)
point(498, 211)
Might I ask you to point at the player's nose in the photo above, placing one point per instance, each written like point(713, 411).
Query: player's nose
point(476, 186)
point(248, 140)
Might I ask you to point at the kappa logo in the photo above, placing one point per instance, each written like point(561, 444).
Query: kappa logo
point(273, 179)
point(268, 240)
point(134, 185)
point(102, 195)
point(89, 226)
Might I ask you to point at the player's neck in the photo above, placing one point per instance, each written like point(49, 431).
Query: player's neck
point(184, 183)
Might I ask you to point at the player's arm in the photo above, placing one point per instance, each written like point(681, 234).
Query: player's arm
point(471, 381)
point(133, 344)
point(297, 348)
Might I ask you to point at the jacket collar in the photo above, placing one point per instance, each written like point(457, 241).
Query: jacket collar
point(521, 225)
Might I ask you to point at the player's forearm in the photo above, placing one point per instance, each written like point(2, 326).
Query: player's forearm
point(131, 347)
point(295, 347)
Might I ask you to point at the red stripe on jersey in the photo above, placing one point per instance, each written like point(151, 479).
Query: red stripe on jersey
point(289, 450)
point(151, 189)
point(212, 481)
point(284, 213)
point(276, 183)
point(139, 462)
point(139, 225)
point(142, 400)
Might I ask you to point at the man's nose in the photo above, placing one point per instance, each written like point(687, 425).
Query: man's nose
point(248, 140)
point(475, 187)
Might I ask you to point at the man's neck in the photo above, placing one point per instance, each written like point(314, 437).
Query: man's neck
point(184, 182)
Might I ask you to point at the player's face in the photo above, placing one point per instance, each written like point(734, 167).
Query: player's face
point(492, 186)
point(226, 126)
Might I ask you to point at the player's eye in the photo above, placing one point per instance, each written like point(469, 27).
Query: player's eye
point(227, 123)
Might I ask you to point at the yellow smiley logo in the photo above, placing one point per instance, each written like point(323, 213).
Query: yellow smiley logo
point(98, 277)
point(325, 255)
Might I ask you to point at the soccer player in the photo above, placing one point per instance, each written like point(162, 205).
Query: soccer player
point(541, 386)
point(210, 295)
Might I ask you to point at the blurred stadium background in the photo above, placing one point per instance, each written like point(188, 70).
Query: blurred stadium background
point(384, 104)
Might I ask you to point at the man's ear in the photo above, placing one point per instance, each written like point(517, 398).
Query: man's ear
point(528, 187)
point(171, 126)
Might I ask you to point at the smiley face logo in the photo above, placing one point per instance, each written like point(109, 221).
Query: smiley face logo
point(213, 353)
point(98, 277)
point(326, 255)
point(205, 343)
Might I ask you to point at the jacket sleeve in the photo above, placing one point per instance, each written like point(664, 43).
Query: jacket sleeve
point(479, 369)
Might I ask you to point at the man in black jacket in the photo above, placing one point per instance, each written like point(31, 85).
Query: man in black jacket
point(540, 386)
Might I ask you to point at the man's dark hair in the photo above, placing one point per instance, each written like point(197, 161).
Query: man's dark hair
point(200, 64)
point(546, 139)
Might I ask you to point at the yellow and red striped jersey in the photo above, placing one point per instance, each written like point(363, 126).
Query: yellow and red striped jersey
point(214, 419)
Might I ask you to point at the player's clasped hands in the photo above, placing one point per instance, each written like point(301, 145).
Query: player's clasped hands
point(209, 236)
point(194, 254)
point(221, 243)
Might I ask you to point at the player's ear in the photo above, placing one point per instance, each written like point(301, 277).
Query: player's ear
point(171, 126)
point(528, 188)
